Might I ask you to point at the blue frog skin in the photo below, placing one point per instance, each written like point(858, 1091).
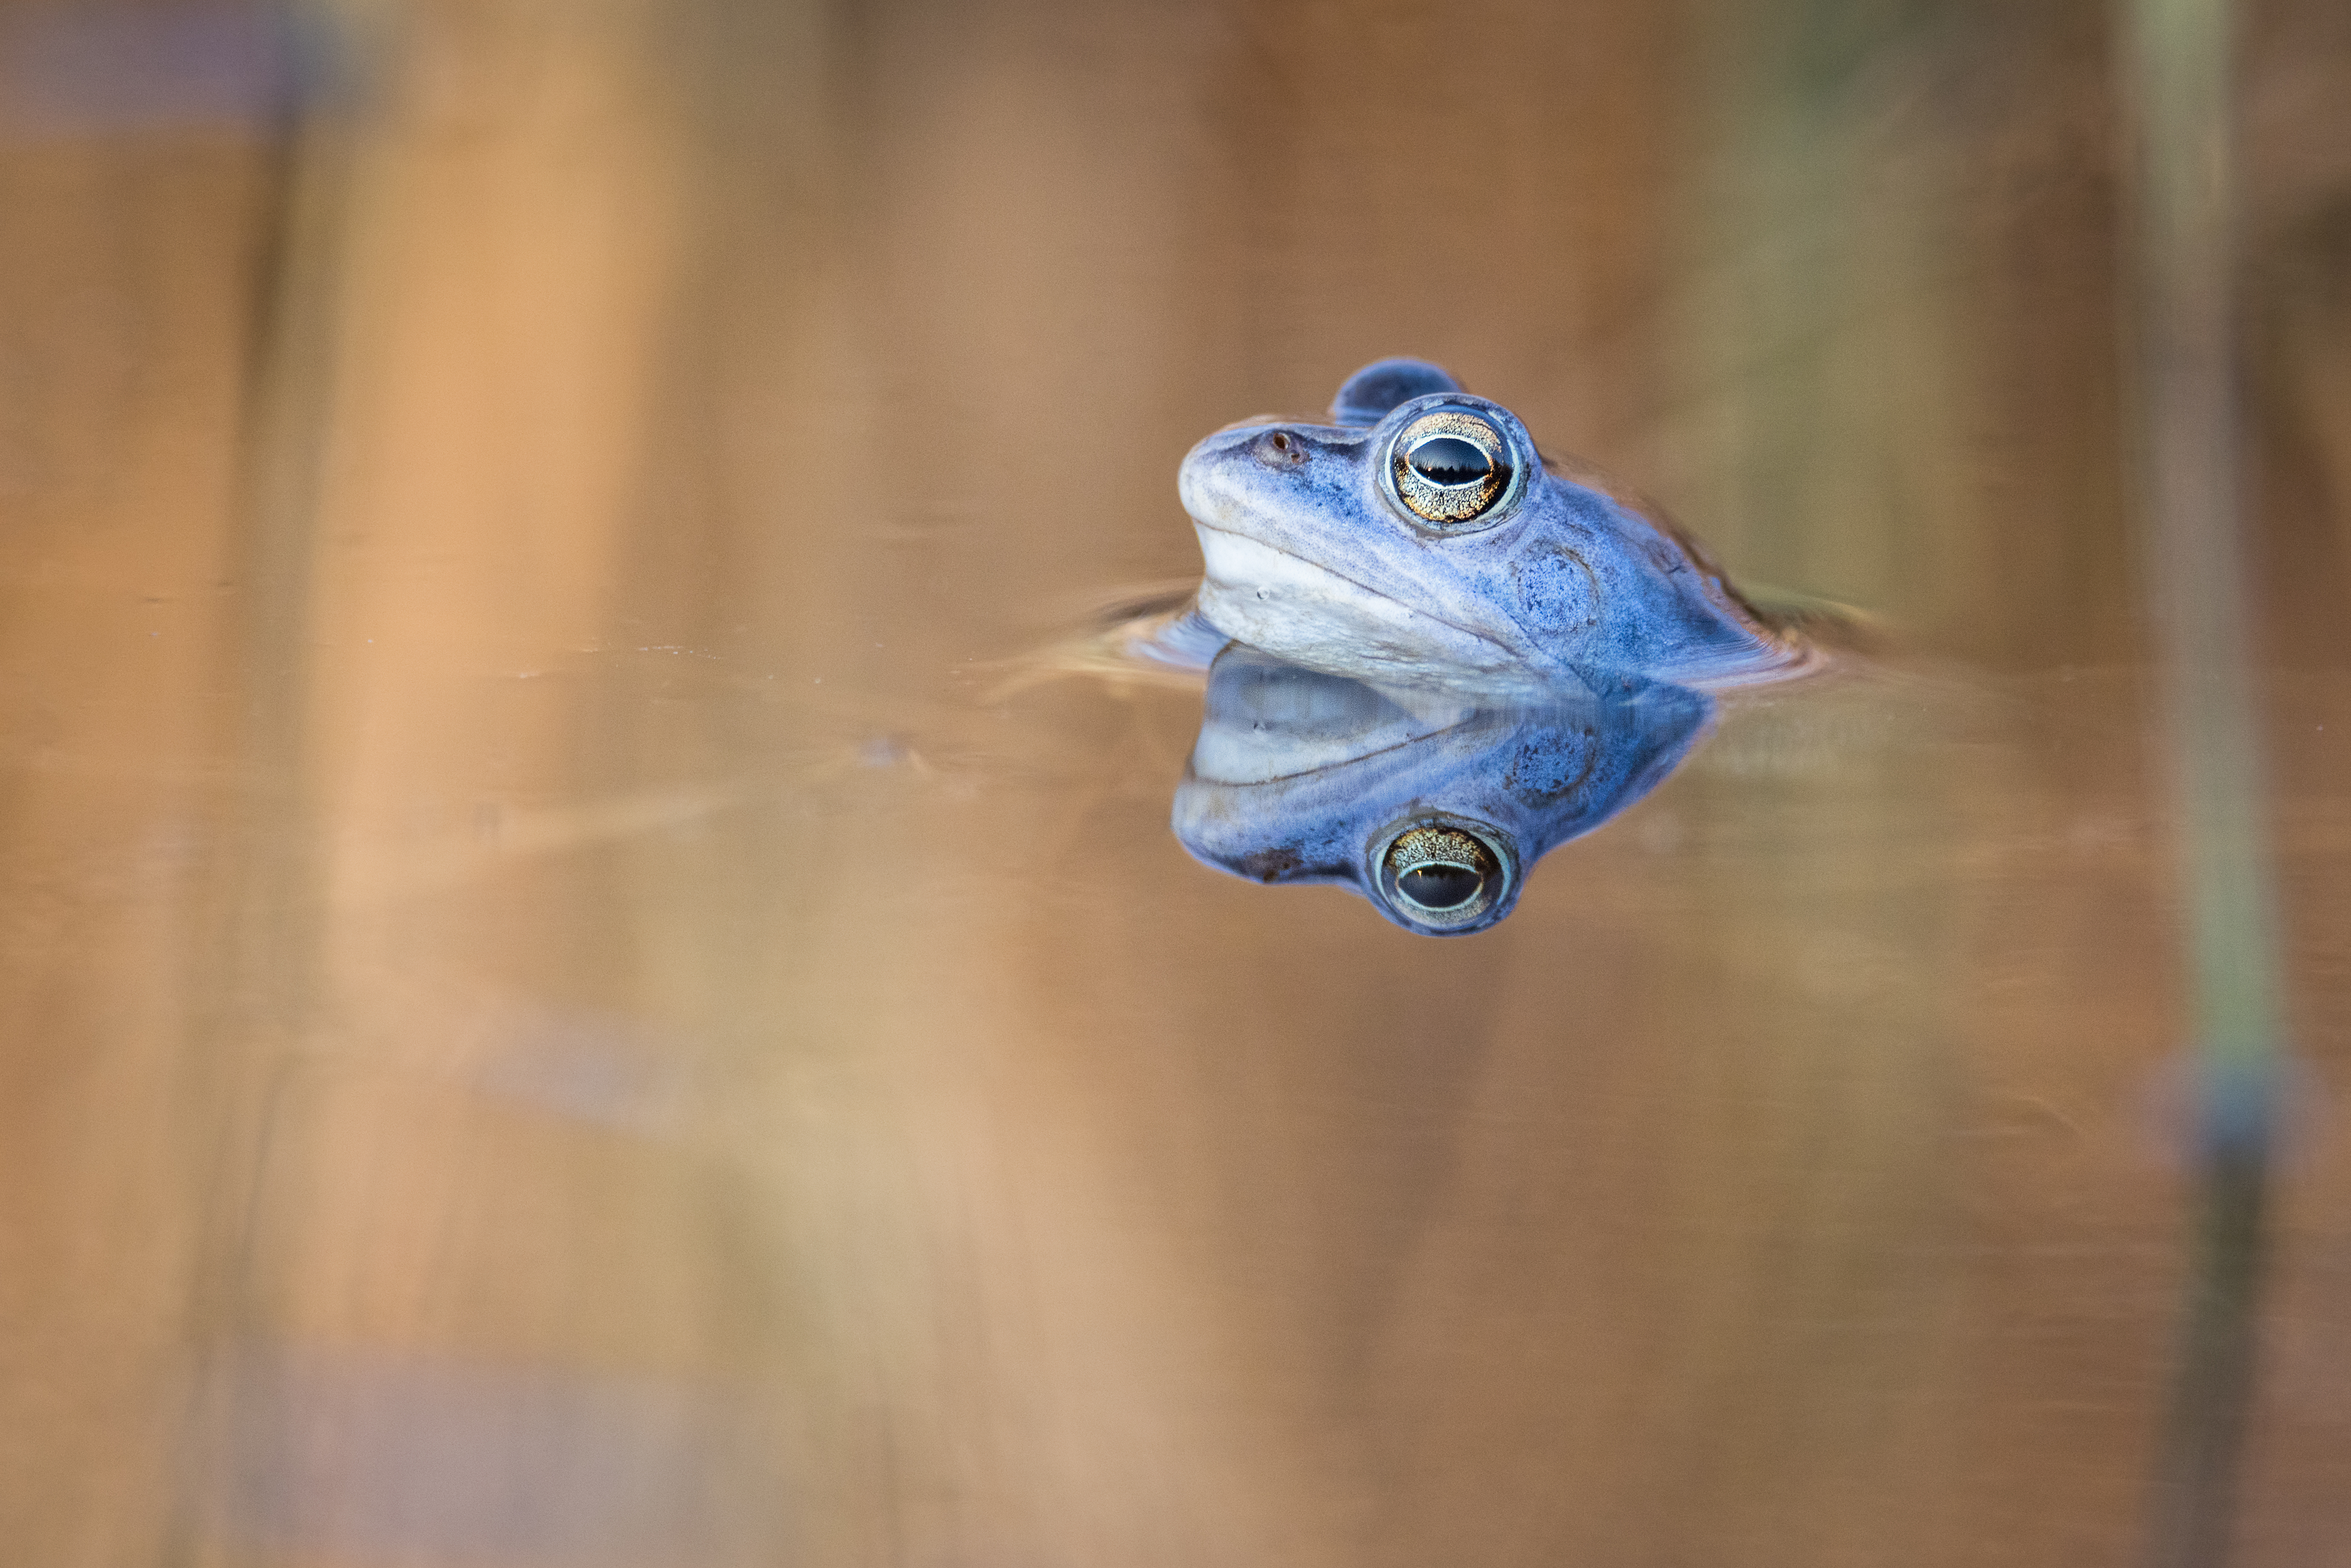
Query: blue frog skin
point(1423, 802)
point(1420, 540)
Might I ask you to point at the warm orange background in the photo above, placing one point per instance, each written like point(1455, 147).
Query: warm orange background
point(529, 946)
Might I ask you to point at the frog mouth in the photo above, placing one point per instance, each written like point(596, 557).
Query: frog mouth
point(1283, 602)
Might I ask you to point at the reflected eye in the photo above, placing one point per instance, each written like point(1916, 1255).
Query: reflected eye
point(1450, 466)
point(1440, 876)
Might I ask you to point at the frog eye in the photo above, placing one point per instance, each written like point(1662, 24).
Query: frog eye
point(1450, 466)
point(1441, 876)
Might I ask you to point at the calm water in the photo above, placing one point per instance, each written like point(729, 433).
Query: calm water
point(576, 993)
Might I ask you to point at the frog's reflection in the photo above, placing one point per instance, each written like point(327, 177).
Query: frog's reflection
point(1431, 807)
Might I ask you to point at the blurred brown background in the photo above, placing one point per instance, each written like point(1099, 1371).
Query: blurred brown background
point(548, 1018)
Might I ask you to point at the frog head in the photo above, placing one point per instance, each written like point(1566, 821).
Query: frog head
point(1420, 538)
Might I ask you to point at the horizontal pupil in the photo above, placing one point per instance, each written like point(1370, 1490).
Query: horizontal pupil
point(1439, 886)
point(1449, 460)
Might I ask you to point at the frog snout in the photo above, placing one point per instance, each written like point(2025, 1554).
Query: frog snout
point(1204, 481)
point(1265, 473)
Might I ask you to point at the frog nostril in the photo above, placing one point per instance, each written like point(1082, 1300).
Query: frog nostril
point(1281, 447)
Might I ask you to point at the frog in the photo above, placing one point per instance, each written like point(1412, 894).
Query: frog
point(1418, 538)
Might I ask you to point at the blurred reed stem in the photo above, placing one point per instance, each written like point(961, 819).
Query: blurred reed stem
point(2178, 64)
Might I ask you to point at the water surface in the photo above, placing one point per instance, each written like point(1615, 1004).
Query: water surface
point(565, 1008)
